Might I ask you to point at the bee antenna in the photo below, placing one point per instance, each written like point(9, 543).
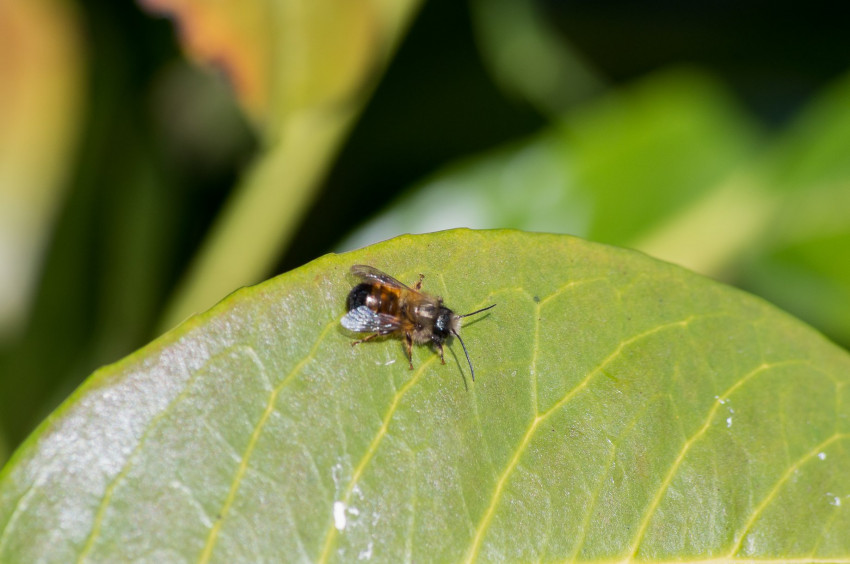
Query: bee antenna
point(477, 311)
point(455, 333)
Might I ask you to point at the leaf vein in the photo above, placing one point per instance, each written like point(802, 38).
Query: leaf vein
point(597, 490)
point(488, 514)
point(20, 506)
point(771, 495)
point(538, 312)
point(331, 533)
point(677, 462)
point(154, 423)
point(206, 554)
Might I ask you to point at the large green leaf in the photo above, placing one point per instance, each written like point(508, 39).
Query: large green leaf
point(623, 408)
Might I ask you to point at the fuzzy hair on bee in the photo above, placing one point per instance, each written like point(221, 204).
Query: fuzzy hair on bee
point(382, 305)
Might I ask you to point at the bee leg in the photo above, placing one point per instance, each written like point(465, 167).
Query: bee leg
point(408, 345)
point(440, 348)
point(418, 284)
point(369, 338)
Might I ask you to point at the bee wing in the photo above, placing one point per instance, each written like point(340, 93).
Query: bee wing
point(364, 320)
point(370, 272)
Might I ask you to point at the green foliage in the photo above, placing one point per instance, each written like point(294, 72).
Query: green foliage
point(624, 408)
point(802, 259)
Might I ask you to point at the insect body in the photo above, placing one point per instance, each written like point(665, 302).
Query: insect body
point(382, 305)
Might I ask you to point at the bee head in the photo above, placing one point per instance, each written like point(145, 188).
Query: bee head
point(445, 324)
point(451, 323)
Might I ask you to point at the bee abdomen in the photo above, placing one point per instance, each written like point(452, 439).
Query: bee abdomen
point(375, 298)
point(358, 296)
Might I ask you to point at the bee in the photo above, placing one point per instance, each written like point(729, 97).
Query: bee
point(382, 305)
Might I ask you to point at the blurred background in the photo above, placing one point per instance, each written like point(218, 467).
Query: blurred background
point(157, 155)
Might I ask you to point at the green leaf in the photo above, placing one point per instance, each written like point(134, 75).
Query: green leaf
point(528, 57)
point(623, 408)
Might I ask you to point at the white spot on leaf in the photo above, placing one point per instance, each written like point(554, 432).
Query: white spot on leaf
point(339, 515)
point(367, 553)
